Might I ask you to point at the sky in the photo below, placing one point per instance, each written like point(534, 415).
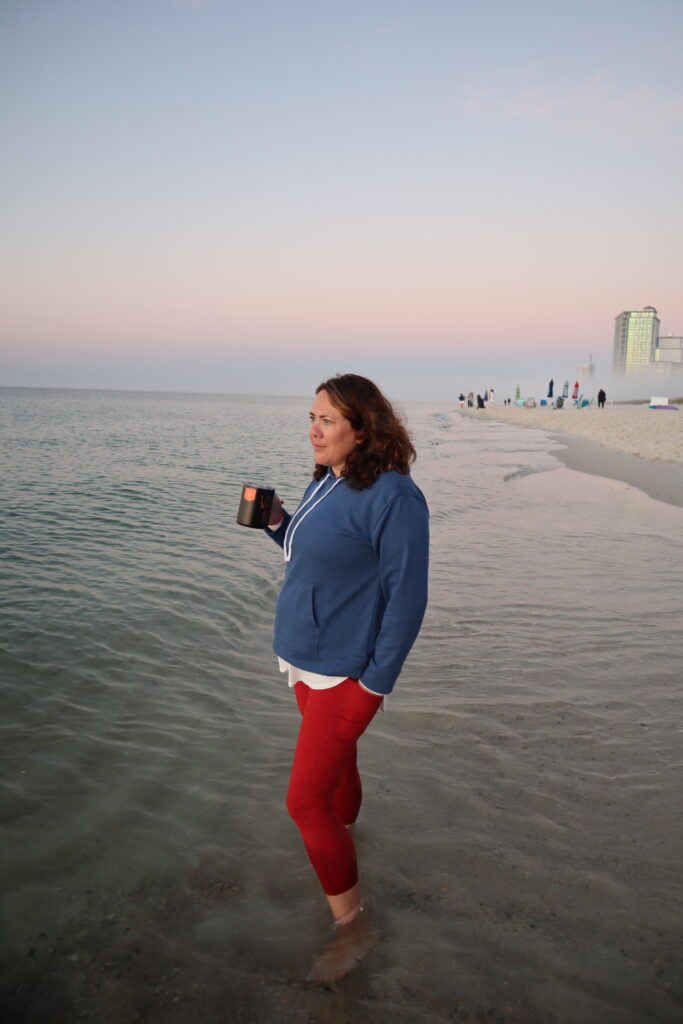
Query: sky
point(252, 195)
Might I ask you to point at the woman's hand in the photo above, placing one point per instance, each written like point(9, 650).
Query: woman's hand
point(276, 513)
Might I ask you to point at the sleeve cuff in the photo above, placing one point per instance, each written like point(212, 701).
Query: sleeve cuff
point(368, 690)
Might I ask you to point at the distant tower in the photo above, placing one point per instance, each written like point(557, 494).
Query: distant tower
point(587, 370)
point(635, 340)
point(669, 349)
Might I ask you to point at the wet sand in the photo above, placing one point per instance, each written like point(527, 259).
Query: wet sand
point(634, 444)
point(661, 480)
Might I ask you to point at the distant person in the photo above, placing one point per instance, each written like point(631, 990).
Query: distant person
point(602, 398)
point(480, 402)
point(470, 399)
point(491, 393)
point(461, 399)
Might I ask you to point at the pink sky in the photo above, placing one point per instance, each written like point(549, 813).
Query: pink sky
point(333, 186)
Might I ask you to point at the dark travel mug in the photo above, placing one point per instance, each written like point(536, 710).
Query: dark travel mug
point(255, 506)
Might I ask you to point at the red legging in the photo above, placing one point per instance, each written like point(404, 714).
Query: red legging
point(324, 788)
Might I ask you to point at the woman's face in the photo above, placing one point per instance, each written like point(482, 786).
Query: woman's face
point(332, 436)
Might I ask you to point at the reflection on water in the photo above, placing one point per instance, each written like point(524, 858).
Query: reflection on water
point(519, 835)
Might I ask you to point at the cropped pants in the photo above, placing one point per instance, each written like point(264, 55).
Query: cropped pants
point(325, 790)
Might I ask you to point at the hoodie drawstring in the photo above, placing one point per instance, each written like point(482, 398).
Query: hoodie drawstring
point(289, 537)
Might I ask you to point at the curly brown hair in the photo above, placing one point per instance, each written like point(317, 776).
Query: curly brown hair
point(385, 442)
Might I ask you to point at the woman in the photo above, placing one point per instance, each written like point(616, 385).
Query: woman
point(350, 608)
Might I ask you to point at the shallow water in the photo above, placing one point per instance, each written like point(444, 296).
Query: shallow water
point(521, 833)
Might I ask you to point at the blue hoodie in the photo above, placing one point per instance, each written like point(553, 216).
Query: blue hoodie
point(355, 587)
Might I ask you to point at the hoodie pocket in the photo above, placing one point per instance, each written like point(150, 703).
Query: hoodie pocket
point(296, 624)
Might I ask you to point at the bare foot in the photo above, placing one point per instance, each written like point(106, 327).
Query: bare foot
point(347, 947)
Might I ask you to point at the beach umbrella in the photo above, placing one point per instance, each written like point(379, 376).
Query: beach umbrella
point(517, 392)
point(565, 389)
point(575, 392)
point(551, 384)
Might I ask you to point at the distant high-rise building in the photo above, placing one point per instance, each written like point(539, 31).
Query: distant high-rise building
point(669, 349)
point(635, 340)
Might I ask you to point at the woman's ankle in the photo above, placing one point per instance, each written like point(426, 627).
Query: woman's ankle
point(344, 905)
point(349, 916)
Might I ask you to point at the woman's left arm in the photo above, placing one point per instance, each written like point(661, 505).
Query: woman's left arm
point(401, 541)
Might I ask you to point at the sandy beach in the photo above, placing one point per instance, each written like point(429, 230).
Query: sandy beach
point(640, 446)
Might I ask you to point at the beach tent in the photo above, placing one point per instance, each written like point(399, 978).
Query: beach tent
point(565, 389)
point(551, 385)
point(575, 393)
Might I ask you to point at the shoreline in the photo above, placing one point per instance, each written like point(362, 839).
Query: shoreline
point(625, 444)
point(662, 481)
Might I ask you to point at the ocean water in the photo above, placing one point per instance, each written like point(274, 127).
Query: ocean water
point(521, 832)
